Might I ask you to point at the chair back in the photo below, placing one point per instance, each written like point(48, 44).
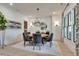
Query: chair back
point(25, 36)
point(50, 37)
point(28, 32)
point(38, 32)
point(37, 38)
point(47, 33)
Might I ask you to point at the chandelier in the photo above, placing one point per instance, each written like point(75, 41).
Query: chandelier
point(37, 20)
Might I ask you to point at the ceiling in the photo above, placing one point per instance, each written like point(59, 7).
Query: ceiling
point(46, 9)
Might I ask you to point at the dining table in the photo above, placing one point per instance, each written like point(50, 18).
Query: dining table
point(42, 35)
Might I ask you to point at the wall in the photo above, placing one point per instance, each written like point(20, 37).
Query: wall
point(11, 14)
point(70, 43)
point(47, 20)
point(56, 29)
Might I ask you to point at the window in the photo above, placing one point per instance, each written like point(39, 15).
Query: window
point(69, 26)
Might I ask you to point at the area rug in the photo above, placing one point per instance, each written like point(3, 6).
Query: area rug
point(44, 49)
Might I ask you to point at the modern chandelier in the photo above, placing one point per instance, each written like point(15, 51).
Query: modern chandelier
point(38, 22)
point(37, 19)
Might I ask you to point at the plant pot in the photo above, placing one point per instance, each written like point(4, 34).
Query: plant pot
point(2, 38)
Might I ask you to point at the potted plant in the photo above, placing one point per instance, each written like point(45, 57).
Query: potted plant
point(2, 28)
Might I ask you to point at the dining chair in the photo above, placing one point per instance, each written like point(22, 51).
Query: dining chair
point(37, 41)
point(28, 32)
point(26, 38)
point(49, 39)
point(47, 33)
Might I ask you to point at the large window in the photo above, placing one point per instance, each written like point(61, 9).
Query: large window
point(70, 25)
point(74, 26)
point(69, 32)
point(74, 33)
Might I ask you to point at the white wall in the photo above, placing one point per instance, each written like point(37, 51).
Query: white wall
point(47, 20)
point(11, 14)
point(70, 43)
point(56, 29)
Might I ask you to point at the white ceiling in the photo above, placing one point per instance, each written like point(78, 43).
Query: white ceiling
point(46, 9)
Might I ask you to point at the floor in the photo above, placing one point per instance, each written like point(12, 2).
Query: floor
point(65, 51)
point(46, 49)
point(12, 51)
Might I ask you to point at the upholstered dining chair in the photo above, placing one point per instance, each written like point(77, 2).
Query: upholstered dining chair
point(26, 38)
point(49, 39)
point(37, 41)
point(47, 33)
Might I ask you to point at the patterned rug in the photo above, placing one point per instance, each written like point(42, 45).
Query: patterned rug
point(44, 49)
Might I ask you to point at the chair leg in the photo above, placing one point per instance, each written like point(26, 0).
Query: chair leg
point(50, 43)
point(42, 41)
point(39, 47)
point(29, 41)
point(33, 47)
point(24, 43)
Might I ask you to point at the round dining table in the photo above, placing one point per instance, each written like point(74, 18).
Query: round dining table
point(42, 35)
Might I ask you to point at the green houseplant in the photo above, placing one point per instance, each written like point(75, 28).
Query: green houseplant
point(3, 22)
